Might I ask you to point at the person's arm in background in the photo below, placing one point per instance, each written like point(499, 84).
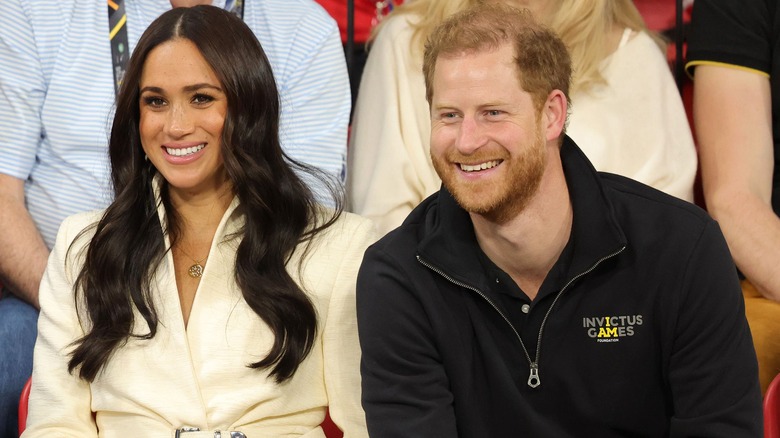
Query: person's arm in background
point(23, 252)
point(733, 119)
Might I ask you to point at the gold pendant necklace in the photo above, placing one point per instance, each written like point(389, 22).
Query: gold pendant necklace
point(196, 269)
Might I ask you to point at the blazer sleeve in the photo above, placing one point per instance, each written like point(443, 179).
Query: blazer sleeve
point(713, 372)
point(60, 402)
point(341, 349)
point(405, 386)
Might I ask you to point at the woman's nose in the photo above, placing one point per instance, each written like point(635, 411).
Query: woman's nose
point(179, 121)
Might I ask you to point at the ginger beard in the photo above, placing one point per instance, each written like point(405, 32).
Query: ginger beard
point(497, 199)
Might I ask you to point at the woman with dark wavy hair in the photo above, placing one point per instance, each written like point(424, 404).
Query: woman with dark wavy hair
point(214, 296)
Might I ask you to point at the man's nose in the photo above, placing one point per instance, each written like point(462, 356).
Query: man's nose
point(471, 136)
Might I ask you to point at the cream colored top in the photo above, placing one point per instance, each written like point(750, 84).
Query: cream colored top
point(635, 127)
point(390, 169)
point(198, 376)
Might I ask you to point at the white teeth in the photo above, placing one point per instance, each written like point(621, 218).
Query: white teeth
point(476, 167)
point(181, 152)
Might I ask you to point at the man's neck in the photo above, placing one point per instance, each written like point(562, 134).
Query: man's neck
point(527, 246)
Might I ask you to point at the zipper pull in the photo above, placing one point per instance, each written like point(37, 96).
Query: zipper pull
point(533, 379)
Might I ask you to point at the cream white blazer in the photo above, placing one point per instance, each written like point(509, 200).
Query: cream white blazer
point(199, 376)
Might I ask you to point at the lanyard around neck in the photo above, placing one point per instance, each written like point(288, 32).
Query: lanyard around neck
point(236, 7)
point(117, 34)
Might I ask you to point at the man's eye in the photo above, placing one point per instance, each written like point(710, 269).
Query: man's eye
point(494, 112)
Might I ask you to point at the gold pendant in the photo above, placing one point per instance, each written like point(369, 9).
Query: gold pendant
point(196, 270)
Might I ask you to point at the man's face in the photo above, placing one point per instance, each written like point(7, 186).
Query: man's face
point(487, 141)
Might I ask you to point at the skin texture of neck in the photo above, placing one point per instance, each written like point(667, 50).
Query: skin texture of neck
point(527, 246)
point(203, 212)
point(200, 216)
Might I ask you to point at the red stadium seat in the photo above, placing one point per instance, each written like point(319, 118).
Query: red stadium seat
point(330, 429)
point(772, 409)
point(23, 398)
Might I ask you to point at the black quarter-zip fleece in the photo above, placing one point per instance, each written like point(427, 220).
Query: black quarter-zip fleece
point(639, 330)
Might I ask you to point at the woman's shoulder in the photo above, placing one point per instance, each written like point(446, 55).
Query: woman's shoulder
point(336, 249)
point(79, 224)
point(83, 219)
point(638, 60)
point(396, 30)
point(641, 42)
point(348, 236)
point(350, 227)
point(73, 237)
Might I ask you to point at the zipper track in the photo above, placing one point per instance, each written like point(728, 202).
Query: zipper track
point(461, 284)
point(533, 379)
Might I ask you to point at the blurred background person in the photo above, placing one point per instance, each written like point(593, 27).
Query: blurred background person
point(733, 50)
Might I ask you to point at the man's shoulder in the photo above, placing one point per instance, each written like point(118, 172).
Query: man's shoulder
point(653, 211)
point(403, 240)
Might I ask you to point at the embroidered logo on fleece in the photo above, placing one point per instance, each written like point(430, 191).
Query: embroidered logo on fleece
point(611, 328)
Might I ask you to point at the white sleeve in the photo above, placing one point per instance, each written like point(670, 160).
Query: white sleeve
point(60, 403)
point(341, 349)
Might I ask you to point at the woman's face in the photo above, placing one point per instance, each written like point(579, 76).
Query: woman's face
point(182, 112)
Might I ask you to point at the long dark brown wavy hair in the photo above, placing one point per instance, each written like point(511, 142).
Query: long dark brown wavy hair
point(280, 210)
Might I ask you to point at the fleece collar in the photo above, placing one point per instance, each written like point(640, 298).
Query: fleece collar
point(448, 242)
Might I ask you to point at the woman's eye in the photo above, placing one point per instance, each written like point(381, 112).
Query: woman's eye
point(153, 101)
point(201, 99)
